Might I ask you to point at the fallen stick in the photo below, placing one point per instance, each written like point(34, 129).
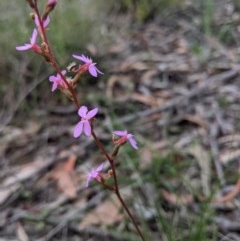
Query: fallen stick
point(208, 84)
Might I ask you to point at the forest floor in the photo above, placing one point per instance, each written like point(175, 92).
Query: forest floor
point(182, 89)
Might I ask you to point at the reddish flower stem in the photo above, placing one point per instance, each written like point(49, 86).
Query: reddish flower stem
point(51, 56)
point(116, 189)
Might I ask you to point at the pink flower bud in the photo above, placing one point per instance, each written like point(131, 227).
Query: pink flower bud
point(51, 3)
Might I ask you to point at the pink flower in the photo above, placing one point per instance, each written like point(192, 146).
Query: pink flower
point(125, 136)
point(89, 65)
point(58, 81)
point(84, 124)
point(32, 45)
point(94, 174)
point(45, 22)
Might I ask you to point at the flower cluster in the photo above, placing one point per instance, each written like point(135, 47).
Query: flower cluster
point(58, 82)
point(33, 45)
point(85, 126)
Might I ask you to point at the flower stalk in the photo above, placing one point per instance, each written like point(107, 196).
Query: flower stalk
point(116, 186)
point(51, 56)
point(67, 86)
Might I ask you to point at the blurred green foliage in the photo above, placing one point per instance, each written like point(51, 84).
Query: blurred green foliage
point(145, 9)
point(208, 10)
point(71, 27)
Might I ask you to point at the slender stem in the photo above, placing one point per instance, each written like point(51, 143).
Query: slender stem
point(116, 190)
point(101, 147)
point(118, 194)
point(51, 56)
point(98, 142)
point(129, 214)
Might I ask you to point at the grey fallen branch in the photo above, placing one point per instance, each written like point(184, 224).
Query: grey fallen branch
point(208, 85)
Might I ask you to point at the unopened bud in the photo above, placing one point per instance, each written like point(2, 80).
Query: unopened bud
point(115, 150)
point(51, 3)
point(110, 173)
point(32, 15)
point(31, 4)
point(45, 52)
point(44, 47)
point(72, 67)
point(49, 8)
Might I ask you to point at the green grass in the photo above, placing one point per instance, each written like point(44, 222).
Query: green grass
point(181, 222)
point(72, 25)
point(208, 11)
point(170, 222)
point(147, 9)
point(24, 75)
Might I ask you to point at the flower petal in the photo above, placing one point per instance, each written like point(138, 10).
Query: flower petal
point(77, 56)
point(89, 177)
point(46, 22)
point(133, 143)
point(94, 174)
point(100, 72)
point(52, 78)
point(92, 113)
point(82, 111)
point(54, 86)
point(63, 72)
point(34, 37)
point(120, 133)
point(82, 57)
point(99, 168)
point(92, 70)
point(36, 20)
point(87, 128)
point(24, 47)
point(78, 129)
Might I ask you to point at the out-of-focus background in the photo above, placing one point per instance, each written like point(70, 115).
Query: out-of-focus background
point(176, 65)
